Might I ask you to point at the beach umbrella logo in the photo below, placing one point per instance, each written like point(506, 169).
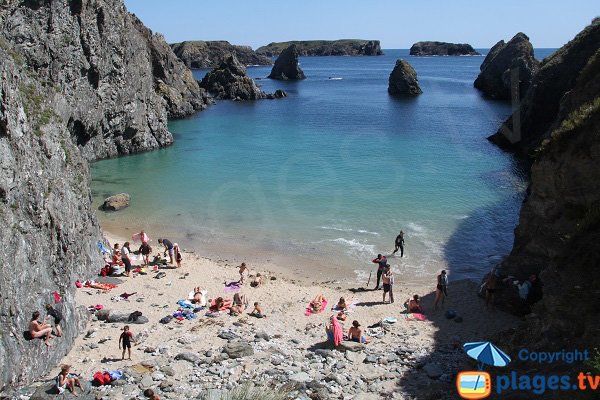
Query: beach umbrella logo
point(475, 385)
point(486, 354)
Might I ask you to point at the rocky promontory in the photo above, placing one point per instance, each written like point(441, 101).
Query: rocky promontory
point(229, 81)
point(536, 116)
point(287, 66)
point(81, 80)
point(442, 49)
point(502, 62)
point(343, 47)
point(209, 54)
point(403, 80)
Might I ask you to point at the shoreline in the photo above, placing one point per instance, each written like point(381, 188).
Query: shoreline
point(283, 344)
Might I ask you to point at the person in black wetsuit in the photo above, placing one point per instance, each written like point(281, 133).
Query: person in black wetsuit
point(125, 341)
point(168, 247)
point(382, 261)
point(399, 244)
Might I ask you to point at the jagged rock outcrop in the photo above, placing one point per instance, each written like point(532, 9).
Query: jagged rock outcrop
point(403, 80)
point(504, 60)
point(116, 75)
point(47, 227)
point(209, 54)
point(343, 47)
point(80, 80)
point(536, 117)
point(287, 66)
point(229, 81)
point(442, 49)
point(116, 202)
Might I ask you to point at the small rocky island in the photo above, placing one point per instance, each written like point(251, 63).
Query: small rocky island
point(229, 81)
point(495, 79)
point(344, 47)
point(209, 54)
point(403, 80)
point(286, 66)
point(442, 49)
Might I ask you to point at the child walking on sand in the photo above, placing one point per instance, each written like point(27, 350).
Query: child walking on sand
point(243, 273)
point(125, 340)
point(178, 256)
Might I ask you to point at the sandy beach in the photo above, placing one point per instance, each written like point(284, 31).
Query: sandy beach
point(284, 344)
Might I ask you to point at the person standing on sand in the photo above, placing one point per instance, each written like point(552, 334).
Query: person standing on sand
point(490, 288)
point(125, 340)
point(244, 272)
point(38, 329)
point(399, 244)
point(125, 251)
point(388, 283)
point(168, 248)
point(145, 251)
point(178, 256)
point(441, 289)
point(382, 261)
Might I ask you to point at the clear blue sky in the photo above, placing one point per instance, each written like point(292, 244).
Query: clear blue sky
point(397, 23)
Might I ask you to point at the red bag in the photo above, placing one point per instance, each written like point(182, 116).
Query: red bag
point(98, 379)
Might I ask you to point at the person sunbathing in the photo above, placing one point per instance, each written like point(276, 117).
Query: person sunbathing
point(317, 304)
point(198, 296)
point(220, 304)
point(38, 329)
point(343, 305)
point(240, 303)
point(257, 281)
point(413, 305)
point(355, 333)
point(65, 380)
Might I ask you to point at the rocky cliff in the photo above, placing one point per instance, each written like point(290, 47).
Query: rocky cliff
point(80, 80)
point(344, 47)
point(116, 75)
point(403, 80)
point(287, 66)
point(229, 81)
point(209, 54)
point(442, 49)
point(507, 63)
point(536, 118)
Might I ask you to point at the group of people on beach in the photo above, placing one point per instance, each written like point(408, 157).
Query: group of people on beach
point(43, 329)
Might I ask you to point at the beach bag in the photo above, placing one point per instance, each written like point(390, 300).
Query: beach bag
point(166, 319)
point(98, 379)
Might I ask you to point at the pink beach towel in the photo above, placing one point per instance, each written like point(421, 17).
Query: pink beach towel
point(310, 311)
point(232, 287)
point(416, 317)
point(338, 332)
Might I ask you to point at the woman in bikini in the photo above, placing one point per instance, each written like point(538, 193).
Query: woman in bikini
point(413, 305)
point(317, 304)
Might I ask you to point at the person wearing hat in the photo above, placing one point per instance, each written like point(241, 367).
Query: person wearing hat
point(355, 333)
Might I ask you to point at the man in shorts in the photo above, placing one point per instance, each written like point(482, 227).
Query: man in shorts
point(168, 248)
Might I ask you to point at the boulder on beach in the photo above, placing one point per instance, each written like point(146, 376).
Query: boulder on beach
point(403, 80)
point(500, 65)
point(116, 202)
point(286, 66)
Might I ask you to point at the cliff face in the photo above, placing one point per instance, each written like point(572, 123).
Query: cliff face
point(536, 116)
point(115, 74)
point(80, 80)
point(344, 47)
point(504, 59)
point(442, 49)
point(209, 54)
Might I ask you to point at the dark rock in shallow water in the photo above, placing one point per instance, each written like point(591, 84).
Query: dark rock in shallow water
point(442, 49)
point(209, 54)
point(403, 80)
point(344, 47)
point(116, 202)
point(495, 79)
point(229, 81)
point(286, 66)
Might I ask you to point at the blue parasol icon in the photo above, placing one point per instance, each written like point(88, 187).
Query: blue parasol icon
point(486, 353)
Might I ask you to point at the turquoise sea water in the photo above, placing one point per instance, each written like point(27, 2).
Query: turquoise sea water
point(323, 180)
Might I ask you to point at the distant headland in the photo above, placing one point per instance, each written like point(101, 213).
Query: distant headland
point(343, 47)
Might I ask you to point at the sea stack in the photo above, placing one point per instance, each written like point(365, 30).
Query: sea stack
point(495, 79)
point(229, 81)
point(403, 80)
point(442, 49)
point(286, 66)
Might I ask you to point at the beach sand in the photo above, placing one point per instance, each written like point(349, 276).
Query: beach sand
point(292, 335)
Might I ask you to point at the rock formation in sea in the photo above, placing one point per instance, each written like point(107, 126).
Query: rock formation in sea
point(343, 47)
point(558, 236)
point(535, 118)
point(229, 81)
point(287, 66)
point(209, 54)
point(81, 80)
point(502, 62)
point(403, 80)
point(442, 49)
